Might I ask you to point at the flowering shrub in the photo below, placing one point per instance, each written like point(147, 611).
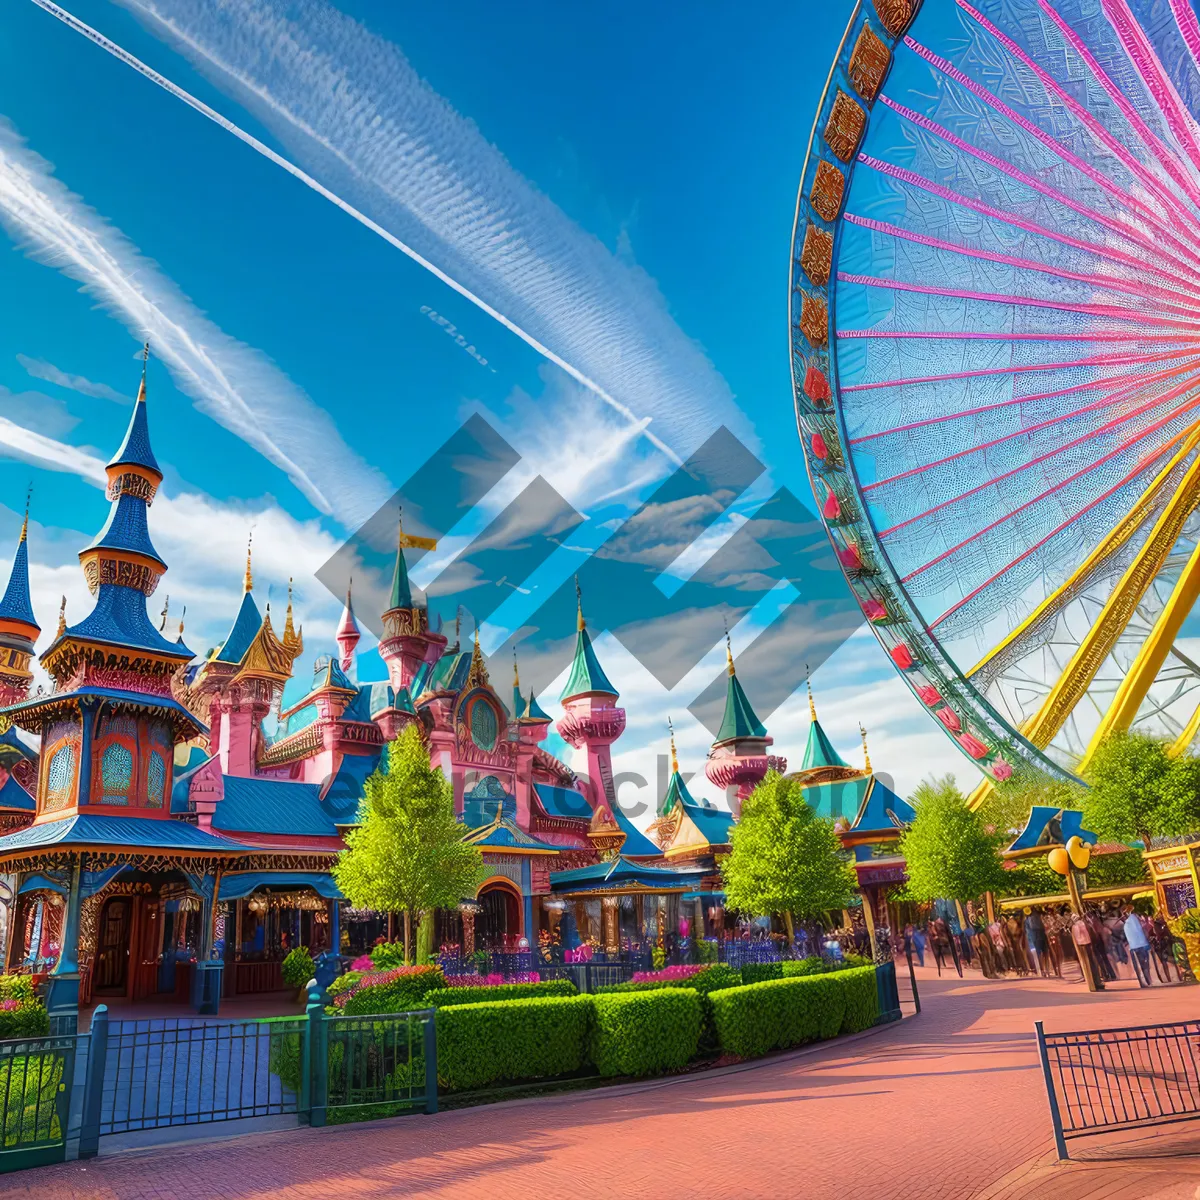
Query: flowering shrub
point(397, 990)
point(22, 1014)
point(362, 963)
point(582, 955)
point(668, 974)
point(452, 995)
point(9, 1005)
point(297, 968)
point(387, 955)
point(495, 979)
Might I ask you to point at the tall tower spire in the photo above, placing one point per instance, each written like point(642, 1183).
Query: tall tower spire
point(674, 756)
point(866, 752)
point(122, 569)
point(18, 628)
point(348, 634)
point(248, 580)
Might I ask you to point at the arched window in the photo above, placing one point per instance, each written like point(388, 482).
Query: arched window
point(116, 774)
point(60, 778)
point(156, 780)
point(484, 727)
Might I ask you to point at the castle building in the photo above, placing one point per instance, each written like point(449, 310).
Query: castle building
point(173, 834)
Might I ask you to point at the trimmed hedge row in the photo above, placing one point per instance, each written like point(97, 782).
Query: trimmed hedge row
point(644, 1033)
point(480, 1044)
point(712, 978)
point(862, 999)
point(448, 996)
point(778, 1013)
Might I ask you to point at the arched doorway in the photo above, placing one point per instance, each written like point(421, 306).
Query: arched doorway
point(113, 936)
point(498, 925)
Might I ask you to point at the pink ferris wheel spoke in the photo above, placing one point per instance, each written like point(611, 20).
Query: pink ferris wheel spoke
point(1122, 229)
point(1112, 282)
point(1135, 381)
point(1175, 170)
point(1092, 360)
point(903, 175)
point(1052, 144)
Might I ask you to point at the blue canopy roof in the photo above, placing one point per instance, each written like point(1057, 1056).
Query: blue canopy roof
point(636, 842)
point(127, 528)
point(505, 834)
point(109, 833)
point(1050, 826)
point(119, 618)
point(15, 604)
point(135, 449)
point(273, 806)
point(838, 798)
point(563, 802)
point(237, 884)
point(14, 796)
point(245, 628)
point(143, 699)
point(713, 823)
point(881, 808)
point(621, 872)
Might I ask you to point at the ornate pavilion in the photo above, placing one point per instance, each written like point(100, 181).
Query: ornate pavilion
point(173, 835)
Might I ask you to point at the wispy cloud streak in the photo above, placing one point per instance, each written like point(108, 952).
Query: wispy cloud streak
point(76, 383)
point(351, 108)
point(232, 383)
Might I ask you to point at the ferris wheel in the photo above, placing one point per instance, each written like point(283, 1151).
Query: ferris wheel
point(995, 337)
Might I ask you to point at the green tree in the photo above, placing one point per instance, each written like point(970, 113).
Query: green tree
point(948, 852)
point(784, 858)
point(1138, 791)
point(407, 854)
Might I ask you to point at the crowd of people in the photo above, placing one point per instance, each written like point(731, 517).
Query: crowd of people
point(1117, 942)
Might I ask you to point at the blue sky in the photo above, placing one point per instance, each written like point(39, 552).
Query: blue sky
point(619, 182)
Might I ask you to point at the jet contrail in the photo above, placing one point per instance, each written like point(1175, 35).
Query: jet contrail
point(93, 35)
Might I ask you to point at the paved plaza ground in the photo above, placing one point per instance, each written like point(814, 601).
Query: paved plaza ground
point(949, 1104)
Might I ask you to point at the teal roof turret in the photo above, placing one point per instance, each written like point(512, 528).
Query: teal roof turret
point(740, 720)
point(587, 676)
point(819, 752)
point(534, 712)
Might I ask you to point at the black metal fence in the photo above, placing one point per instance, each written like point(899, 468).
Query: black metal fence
point(182, 1071)
point(1099, 1080)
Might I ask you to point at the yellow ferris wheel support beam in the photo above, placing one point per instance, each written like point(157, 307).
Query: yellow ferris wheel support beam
point(1150, 657)
point(1077, 677)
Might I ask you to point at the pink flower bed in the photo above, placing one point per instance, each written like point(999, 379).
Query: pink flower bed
point(362, 963)
point(668, 974)
point(9, 1005)
point(378, 978)
point(493, 980)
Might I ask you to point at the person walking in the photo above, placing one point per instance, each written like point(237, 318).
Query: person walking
point(1035, 941)
point(1099, 948)
point(1139, 947)
point(1081, 935)
point(917, 939)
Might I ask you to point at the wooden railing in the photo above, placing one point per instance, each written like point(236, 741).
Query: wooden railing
point(252, 977)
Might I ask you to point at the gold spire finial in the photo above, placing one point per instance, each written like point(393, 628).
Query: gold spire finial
point(580, 623)
point(162, 625)
point(674, 756)
point(62, 617)
point(516, 673)
point(728, 650)
point(141, 396)
point(866, 752)
point(812, 708)
point(248, 582)
point(25, 523)
point(181, 616)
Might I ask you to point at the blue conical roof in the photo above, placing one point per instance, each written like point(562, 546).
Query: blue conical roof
point(533, 710)
point(245, 628)
point(135, 449)
point(15, 604)
point(586, 673)
point(127, 528)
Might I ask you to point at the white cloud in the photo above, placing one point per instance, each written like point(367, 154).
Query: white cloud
point(352, 109)
point(35, 448)
point(40, 369)
point(234, 384)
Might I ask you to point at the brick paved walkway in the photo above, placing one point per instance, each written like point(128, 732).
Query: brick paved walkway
point(949, 1105)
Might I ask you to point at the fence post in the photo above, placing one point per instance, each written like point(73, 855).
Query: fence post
point(1060, 1142)
point(318, 1055)
point(93, 1086)
point(431, 1072)
point(912, 977)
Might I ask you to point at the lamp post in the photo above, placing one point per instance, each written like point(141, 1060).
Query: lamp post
point(1071, 861)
